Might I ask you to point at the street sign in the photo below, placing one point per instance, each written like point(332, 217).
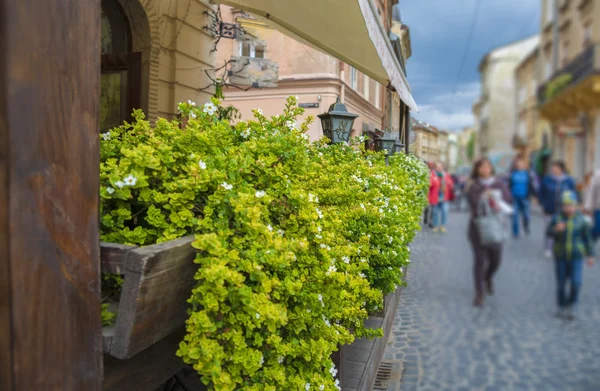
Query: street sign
point(309, 105)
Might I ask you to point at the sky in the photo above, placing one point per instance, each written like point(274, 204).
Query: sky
point(439, 31)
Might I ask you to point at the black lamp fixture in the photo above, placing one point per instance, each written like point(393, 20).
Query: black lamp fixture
point(386, 144)
point(337, 123)
point(399, 146)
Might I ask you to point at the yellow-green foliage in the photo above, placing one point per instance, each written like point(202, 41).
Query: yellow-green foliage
point(296, 242)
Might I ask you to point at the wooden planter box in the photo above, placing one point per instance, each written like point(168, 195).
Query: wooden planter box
point(158, 282)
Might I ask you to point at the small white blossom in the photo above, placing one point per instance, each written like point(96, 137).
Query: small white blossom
point(346, 259)
point(390, 239)
point(297, 97)
point(363, 260)
point(106, 136)
point(245, 133)
point(193, 103)
point(389, 268)
point(363, 206)
point(320, 297)
point(130, 180)
point(260, 194)
point(362, 275)
point(323, 245)
point(257, 315)
point(209, 108)
point(202, 165)
point(259, 111)
point(280, 359)
point(319, 213)
point(291, 124)
point(307, 386)
point(262, 360)
point(321, 387)
point(270, 228)
point(119, 184)
point(332, 269)
point(319, 229)
point(193, 115)
point(318, 237)
point(192, 155)
point(305, 136)
point(226, 186)
point(110, 190)
point(408, 248)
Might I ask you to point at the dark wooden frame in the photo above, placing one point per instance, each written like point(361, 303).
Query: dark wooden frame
point(50, 328)
point(132, 64)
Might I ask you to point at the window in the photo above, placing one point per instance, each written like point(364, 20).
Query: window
point(251, 49)
point(564, 54)
point(120, 81)
point(587, 35)
point(522, 94)
point(548, 69)
point(353, 78)
point(366, 86)
point(377, 95)
point(550, 10)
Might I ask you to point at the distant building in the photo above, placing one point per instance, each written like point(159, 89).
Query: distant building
point(496, 106)
point(273, 66)
point(425, 141)
point(569, 94)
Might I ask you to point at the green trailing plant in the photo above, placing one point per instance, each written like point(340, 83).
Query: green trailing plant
point(557, 84)
point(296, 241)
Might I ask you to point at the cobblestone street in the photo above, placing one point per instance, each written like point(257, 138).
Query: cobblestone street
point(441, 342)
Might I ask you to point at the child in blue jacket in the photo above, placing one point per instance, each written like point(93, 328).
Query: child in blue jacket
point(572, 234)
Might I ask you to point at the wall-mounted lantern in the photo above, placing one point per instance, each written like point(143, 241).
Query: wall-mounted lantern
point(337, 123)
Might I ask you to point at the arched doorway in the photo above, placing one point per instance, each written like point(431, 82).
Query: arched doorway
point(120, 84)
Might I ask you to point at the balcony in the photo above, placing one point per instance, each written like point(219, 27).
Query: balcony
point(574, 88)
point(253, 72)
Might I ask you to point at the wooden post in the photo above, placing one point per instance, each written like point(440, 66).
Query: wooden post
point(406, 129)
point(50, 328)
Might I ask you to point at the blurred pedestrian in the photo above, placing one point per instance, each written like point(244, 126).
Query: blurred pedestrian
point(487, 253)
point(572, 244)
point(592, 203)
point(553, 186)
point(440, 215)
point(433, 197)
point(522, 187)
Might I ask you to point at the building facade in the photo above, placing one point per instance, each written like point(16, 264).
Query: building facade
point(425, 141)
point(154, 53)
point(569, 95)
point(287, 67)
point(495, 109)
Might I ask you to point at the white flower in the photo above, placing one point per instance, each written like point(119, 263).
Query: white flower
point(106, 136)
point(346, 259)
point(262, 360)
point(280, 359)
point(390, 239)
point(209, 108)
point(193, 115)
point(323, 245)
point(291, 124)
point(297, 97)
point(257, 315)
point(363, 260)
point(321, 387)
point(408, 248)
point(259, 111)
point(362, 275)
point(318, 237)
point(202, 165)
point(305, 136)
point(319, 213)
point(245, 133)
point(270, 228)
point(193, 103)
point(307, 386)
point(389, 268)
point(119, 184)
point(332, 269)
point(320, 297)
point(192, 155)
point(110, 190)
point(363, 206)
point(260, 194)
point(281, 232)
point(337, 383)
point(226, 186)
point(319, 229)
point(130, 180)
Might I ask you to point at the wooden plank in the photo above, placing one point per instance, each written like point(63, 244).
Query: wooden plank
point(50, 76)
point(6, 351)
point(158, 282)
point(147, 370)
point(113, 257)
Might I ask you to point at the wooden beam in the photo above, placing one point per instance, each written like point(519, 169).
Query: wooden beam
point(50, 328)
